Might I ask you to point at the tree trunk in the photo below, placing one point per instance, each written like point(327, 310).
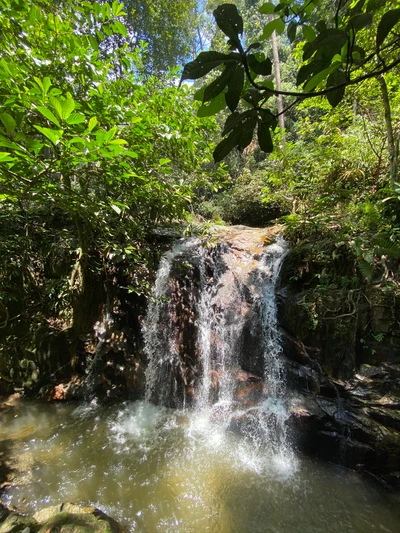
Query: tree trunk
point(277, 71)
point(393, 148)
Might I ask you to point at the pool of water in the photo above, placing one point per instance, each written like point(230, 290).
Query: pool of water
point(158, 470)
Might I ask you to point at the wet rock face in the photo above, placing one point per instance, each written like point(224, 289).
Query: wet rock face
point(342, 357)
point(355, 423)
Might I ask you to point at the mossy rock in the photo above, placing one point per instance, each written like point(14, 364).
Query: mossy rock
point(70, 518)
point(64, 518)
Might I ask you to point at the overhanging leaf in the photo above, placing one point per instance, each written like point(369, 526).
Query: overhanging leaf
point(332, 38)
point(229, 21)
point(49, 115)
point(53, 135)
point(336, 78)
point(386, 24)
point(263, 68)
point(219, 84)
point(205, 62)
point(358, 22)
point(76, 118)
point(309, 33)
point(235, 87)
point(8, 122)
point(215, 105)
point(267, 9)
point(92, 123)
point(274, 25)
point(67, 105)
point(264, 138)
point(320, 77)
point(55, 102)
point(291, 30)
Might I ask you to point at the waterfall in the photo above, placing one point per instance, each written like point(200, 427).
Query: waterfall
point(235, 377)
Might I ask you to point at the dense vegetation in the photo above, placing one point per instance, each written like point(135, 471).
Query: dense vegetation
point(100, 148)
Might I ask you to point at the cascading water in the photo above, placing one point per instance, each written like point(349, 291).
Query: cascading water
point(233, 292)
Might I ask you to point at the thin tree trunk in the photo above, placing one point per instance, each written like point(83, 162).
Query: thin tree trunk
point(277, 71)
point(393, 148)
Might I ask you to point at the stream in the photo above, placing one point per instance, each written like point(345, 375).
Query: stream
point(162, 470)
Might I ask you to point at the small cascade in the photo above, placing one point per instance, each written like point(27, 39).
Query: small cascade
point(225, 360)
point(162, 335)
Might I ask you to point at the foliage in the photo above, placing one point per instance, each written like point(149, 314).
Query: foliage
point(336, 53)
point(90, 161)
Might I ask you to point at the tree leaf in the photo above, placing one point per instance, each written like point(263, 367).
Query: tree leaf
point(226, 146)
point(309, 33)
point(264, 138)
point(274, 25)
point(358, 22)
point(386, 24)
point(291, 30)
point(8, 122)
point(67, 105)
point(5, 157)
point(331, 38)
point(205, 62)
point(219, 84)
point(55, 102)
point(336, 78)
point(92, 123)
point(229, 21)
point(240, 128)
point(267, 9)
point(53, 135)
point(76, 118)
point(320, 77)
point(235, 87)
point(215, 105)
point(307, 71)
point(263, 68)
point(49, 115)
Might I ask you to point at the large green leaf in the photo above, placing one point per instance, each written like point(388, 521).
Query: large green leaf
point(337, 77)
point(331, 39)
point(386, 24)
point(291, 30)
point(215, 105)
point(53, 135)
point(235, 87)
point(219, 84)
point(8, 122)
point(56, 103)
point(309, 33)
point(49, 115)
point(67, 105)
point(310, 69)
point(263, 68)
point(320, 77)
point(360, 21)
point(75, 118)
point(229, 21)
point(267, 9)
point(205, 62)
point(276, 25)
point(264, 137)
